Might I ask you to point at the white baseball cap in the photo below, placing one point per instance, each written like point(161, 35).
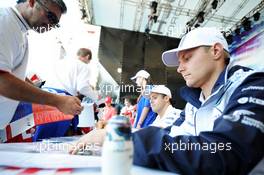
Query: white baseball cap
point(201, 36)
point(161, 89)
point(141, 73)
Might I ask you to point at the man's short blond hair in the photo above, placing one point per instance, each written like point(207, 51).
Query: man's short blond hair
point(226, 54)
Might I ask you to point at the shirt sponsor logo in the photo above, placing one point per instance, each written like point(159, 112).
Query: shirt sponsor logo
point(237, 115)
point(244, 115)
point(244, 100)
point(254, 123)
point(260, 88)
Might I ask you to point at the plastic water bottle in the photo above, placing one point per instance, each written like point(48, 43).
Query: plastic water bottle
point(117, 153)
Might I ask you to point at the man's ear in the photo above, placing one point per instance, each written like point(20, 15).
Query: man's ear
point(167, 98)
point(218, 50)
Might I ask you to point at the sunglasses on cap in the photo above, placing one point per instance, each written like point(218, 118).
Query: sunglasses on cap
point(53, 19)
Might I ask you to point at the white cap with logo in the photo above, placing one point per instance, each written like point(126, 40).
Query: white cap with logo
point(201, 36)
point(141, 73)
point(161, 89)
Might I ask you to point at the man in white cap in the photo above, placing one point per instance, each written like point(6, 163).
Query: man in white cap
point(160, 97)
point(141, 73)
point(145, 115)
point(223, 132)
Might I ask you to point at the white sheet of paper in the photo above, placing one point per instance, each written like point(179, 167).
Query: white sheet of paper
point(29, 156)
point(86, 118)
point(42, 160)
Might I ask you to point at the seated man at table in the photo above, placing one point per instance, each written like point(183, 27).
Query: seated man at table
point(223, 132)
point(160, 97)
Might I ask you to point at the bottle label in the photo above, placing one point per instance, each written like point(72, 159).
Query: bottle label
point(118, 129)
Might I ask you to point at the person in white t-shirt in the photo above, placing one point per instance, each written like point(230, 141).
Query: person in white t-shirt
point(72, 75)
point(160, 97)
point(41, 16)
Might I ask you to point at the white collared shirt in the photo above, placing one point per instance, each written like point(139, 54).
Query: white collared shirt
point(13, 55)
point(170, 116)
point(71, 75)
